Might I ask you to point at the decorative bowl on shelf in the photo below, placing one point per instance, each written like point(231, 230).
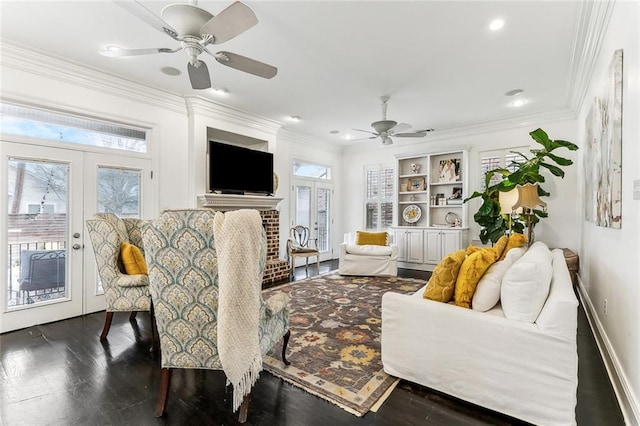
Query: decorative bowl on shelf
point(412, 213)
point(452, 219)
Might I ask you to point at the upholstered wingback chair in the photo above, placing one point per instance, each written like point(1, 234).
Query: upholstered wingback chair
point(180, 249)
point(123, 292)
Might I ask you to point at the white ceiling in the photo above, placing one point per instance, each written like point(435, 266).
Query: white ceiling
point(438, 61)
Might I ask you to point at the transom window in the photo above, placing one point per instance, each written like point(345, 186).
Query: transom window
point(55, 126)
point(311, 170)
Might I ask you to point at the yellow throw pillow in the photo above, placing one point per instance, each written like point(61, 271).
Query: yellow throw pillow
point(133, 260)
point(515, 240)
point(443, 279)
point(472, 269)
point(371, 238)
point(500, 245)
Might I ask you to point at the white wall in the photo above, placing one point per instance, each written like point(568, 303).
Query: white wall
point(558, 230)
point(610, 258)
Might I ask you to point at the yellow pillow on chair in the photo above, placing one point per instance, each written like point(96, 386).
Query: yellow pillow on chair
point(371, 238)
point(133, 260)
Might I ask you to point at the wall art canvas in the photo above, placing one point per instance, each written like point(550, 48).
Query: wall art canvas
point(603, 153)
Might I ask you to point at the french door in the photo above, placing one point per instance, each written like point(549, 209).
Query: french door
point(312, 207)
point(47, 194)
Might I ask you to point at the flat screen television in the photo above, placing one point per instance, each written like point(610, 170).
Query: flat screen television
point(238, 170)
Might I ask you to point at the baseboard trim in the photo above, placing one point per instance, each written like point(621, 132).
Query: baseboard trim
point(626, 398)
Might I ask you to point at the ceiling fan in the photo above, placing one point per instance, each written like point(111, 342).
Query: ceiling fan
point(195, 29)
point(384, 128)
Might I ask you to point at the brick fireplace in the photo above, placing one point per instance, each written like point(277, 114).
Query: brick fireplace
point(275, 269)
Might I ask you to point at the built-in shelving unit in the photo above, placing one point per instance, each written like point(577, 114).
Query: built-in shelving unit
point(431, 219)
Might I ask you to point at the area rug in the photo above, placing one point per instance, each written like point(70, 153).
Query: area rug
point(334, 348)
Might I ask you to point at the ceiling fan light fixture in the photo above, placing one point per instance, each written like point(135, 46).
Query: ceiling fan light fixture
point(383, 125)
point(186, 19)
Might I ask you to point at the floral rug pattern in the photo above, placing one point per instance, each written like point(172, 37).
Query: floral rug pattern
point(334, 348)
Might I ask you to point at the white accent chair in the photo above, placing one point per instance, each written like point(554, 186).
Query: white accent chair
point(368, 260)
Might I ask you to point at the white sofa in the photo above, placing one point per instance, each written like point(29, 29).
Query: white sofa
point(522, 369)
point(367, 260)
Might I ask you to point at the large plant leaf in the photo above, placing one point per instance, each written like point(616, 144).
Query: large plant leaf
point(557, 171)
point(542, 138)
point(558, 143)
point(560, 160)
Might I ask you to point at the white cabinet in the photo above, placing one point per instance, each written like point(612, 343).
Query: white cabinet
point(439, 243)
point(410, 245)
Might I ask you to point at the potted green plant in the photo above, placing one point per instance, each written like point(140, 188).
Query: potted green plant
point(494, 224)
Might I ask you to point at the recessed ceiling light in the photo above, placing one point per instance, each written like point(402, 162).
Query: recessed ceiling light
point(348, 137)
point(514, 92)
point(294, 118)
point(518, 103)
point(113, 48)
point(496, 24)
point(171, 71)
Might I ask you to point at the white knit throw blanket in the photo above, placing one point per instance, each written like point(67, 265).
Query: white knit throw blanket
point(238, 237)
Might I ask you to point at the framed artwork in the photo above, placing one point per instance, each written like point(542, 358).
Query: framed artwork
point(449, 170)
point(603, 153)
point(417, 184)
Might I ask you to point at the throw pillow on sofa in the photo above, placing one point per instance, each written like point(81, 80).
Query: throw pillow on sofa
point(526, 284)
point(371, 238)
point(472, 269)
point(443, 278)
point(487, 292)
point(515, 240)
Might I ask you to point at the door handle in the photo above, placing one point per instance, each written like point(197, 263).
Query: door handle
point(76, 246)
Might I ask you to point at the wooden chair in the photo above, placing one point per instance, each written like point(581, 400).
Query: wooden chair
point(298, 245)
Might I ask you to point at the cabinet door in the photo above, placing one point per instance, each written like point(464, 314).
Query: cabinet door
point(433, 246)
point(415, 250)
point(451, 241)
point(400, 239)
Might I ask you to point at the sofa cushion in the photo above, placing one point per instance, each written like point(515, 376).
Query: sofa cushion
point(487, 292)
point(369, 250)
point(443, 278)
point(515, 240)
point(133, 260)
point(526, 283)
point(472, 269)
point(371, 238)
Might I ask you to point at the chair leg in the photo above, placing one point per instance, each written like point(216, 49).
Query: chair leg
point(163, 394)
point(155, 340)
point(244, 408)
point(284, 347)
point(133, 315)
point(107, 325)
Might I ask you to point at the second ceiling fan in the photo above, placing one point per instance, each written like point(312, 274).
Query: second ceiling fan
point(385, 129)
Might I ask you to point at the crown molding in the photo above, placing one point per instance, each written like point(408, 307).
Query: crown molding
point(594, 17)
point(307, 140)
point(36, 62)
point(207, 107)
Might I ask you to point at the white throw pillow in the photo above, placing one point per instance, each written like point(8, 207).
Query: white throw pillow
point(369, 250)
point(526, 284)
point(487, 292)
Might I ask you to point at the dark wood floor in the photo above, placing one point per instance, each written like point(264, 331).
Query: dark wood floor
point(61, 374)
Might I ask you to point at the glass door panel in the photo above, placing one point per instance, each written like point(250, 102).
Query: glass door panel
point(312, 208)
point(43, 256)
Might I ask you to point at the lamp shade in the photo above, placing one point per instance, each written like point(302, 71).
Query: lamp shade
point(507, 200)
point(528, 197)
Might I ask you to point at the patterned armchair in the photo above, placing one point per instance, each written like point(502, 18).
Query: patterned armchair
point(123, 293)
point(181, 256)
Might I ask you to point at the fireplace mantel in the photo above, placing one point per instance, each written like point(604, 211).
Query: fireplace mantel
point(225, 202)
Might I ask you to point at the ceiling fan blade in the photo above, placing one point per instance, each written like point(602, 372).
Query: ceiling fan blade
point(199, 76)
point(401, 127)
point(245, 64)
point(410, 135)
point(366, 131)
point(361, 139)
point(231, 22)
point(137, 9)
point(135, 52)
